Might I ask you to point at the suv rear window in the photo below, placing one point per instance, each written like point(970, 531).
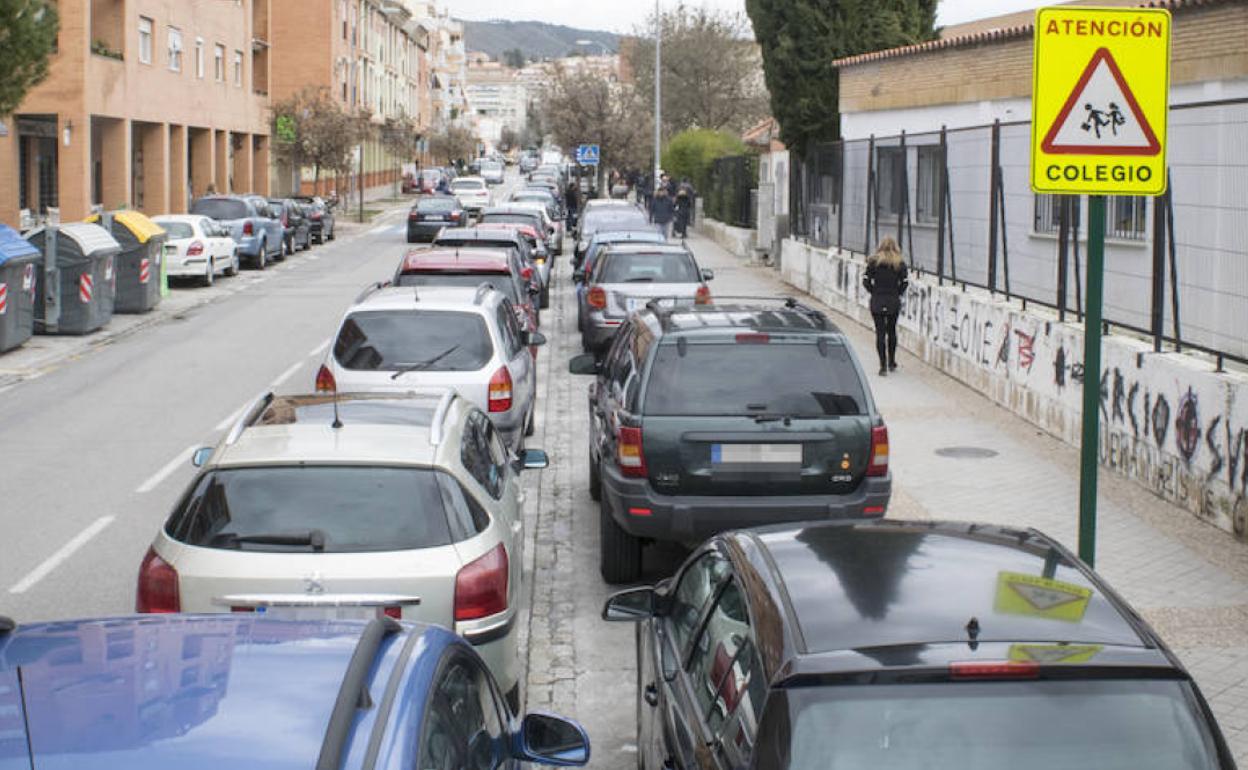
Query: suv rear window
point(437, 204)
point(218, 208)
point(731, 377)
point(532, 220)
point(434, 340)
point(501, 281)
point(646, 268)
point(337, 509)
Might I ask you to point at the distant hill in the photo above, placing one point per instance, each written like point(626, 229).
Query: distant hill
point(536, 39)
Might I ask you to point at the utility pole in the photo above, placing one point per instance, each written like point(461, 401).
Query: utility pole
point(658, 92)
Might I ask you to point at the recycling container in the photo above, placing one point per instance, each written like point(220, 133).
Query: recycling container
point(142, 244)
point(85, 257)
point(19, 277)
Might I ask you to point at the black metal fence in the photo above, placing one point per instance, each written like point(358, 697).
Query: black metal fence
point(959, 203)
point(728, 196)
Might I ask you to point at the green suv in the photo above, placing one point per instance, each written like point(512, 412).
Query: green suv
point(715, 417)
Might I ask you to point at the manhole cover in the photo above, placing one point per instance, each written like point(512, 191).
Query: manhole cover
point(966, 452)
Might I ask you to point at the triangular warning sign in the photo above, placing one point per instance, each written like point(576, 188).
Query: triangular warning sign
point(1044, 598)
point(1101, 117)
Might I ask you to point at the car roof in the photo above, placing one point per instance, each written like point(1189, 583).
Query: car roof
point(201, 691)
point(773, 315)
point(658, 247)
point(532, 209)
point(435, 197)
point(493, 234)
point(643, 235)
point(527, 230)
point(460, 298)
point(914, 588)
point(466, 260)
point(467, 179)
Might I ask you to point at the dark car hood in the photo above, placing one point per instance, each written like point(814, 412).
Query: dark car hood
point(205, 692)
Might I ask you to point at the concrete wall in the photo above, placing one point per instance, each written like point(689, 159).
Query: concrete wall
point(1167, 421)
point(738, 241)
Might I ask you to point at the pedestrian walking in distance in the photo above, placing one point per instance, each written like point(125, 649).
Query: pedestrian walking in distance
point(885, 279)
point(662, 211)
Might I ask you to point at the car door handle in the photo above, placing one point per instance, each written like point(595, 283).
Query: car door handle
point(651, 694)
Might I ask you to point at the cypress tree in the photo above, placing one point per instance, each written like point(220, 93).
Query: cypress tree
point(801, 38)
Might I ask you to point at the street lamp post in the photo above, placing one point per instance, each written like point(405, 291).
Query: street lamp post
point(658, 90)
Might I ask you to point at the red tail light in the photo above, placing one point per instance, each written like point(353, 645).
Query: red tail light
point(158, 586)
point(500, 390)
point(413, 215)
point(248, 229)
point(596, 297)
point(1006, 669)
point(195, 249)
point(315, 215)
point(454, 216)
point(631, 457)
point(325, 380)
point(481, 586)
point(753, 338)
point(393, 611)
point(879, 452)
point(702, 296)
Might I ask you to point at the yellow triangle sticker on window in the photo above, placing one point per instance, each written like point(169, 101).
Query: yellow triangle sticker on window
point(1040, 597)
point(1051, 654)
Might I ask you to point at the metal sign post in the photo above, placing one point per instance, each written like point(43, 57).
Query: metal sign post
point(1100, 99)
point(51, 281)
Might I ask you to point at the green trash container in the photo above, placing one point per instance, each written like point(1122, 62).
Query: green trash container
point(142, 244)
point(19, 265)
point(85, 257)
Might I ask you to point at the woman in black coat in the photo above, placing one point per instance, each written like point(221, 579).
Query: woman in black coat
point(885, 279)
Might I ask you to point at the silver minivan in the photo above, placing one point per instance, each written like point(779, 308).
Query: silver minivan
point(394, 339)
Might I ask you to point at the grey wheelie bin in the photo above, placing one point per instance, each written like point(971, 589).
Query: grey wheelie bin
point(85, 258)
point(19, 265)
point(138, 265)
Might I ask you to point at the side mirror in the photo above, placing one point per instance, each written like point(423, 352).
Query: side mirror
point(708, 274)
point(532, 460)
point(551, 740)
point(630, 605)
point(201, 456)
point(534, 338)
point(585, 363)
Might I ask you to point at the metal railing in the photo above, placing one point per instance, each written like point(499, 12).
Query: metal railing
point(731, 184)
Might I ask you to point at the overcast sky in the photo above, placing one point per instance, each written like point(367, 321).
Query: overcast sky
point(623, 17)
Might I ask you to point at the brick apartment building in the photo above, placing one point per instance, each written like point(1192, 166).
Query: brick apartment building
point(147, 103)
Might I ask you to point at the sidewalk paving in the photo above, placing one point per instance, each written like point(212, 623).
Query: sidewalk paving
point(1188, 579)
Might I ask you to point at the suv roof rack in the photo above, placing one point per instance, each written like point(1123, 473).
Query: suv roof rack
point(439, 417)
point(353, 695)
point(370, 289)
point(250, 415)
point(484, 288)
point(788, 302)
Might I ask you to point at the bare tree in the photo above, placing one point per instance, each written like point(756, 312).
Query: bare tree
point(712, 70)
point(584, 106)
point(310, 129)
point(451, 143)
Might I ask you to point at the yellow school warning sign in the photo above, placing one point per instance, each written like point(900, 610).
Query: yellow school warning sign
point(1100, 94)
point(1040, 597)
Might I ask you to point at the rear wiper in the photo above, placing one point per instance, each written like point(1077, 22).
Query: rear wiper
point(423, 364)
point(313, 537)
point(761, 418)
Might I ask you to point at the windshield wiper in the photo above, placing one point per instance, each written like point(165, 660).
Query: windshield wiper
point(402, 370)
point(313, 537)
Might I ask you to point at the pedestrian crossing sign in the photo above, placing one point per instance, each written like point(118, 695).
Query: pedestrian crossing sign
point(1100, 96)
point(587, 154)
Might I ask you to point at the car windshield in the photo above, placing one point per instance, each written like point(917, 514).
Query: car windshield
point(737, 376)
point(220, 208)
point(314, 508)
point(650, 268)
point(1092, 724)
point(176, 230)
point(437, 204)
point(389, 340)
point(501, 281)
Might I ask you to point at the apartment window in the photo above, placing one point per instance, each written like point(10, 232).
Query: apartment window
point(175, 49)
point(145, 40)
point(238, 68)
point(927, 191)
point(199, 58)
point(218, 62)
point(1126, 216)
point(890, 191)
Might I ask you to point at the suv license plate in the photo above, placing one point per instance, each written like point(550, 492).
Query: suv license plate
point(756, 454)
point(636, 303)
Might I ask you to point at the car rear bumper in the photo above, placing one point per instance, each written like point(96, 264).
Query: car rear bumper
point(497, 641)
point(176, 267)
point(599, 332)
point(425, 231)
point(249, 246)
point(692, 518)
point(510, 425)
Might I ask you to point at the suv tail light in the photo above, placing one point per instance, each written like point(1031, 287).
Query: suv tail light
point(632, 458)
point(248, 229)
point(879, 452)
point(454, 216)
point(325, 380)
point(596, 297)
point(702, 296)
point(481, 586)
point(158, 586)
point(195, 249)
point(500, 390)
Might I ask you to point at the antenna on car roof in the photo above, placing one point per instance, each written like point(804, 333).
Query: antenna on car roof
point(337, 423)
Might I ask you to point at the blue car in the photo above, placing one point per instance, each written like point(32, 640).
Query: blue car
point(219, 691)
point(599, 241)
point(255, 227)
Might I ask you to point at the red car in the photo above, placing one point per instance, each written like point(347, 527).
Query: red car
point(471, 267)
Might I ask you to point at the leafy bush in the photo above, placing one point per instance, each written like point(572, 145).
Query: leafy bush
point(691, 153)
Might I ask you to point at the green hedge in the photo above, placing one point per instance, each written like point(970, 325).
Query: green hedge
point(691, 153)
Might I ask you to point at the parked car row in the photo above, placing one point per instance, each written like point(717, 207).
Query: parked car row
point(266, 230)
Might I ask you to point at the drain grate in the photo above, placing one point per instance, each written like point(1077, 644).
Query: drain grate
point(966, 452)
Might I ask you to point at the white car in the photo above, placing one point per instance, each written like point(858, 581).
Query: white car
point(406, 505)
point(394, 339)
point(198, 247)
point(473, 193)
point(492, 171)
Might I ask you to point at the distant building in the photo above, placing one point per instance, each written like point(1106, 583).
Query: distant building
point(498, 97)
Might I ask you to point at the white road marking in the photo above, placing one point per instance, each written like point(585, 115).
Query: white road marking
point(63, 553)
point(233, 417)
point(379, 230)
point(319, 349)
point(177, 462)
point(286, 375)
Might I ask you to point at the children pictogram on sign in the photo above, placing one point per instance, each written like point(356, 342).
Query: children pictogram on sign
point(1111, 122)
